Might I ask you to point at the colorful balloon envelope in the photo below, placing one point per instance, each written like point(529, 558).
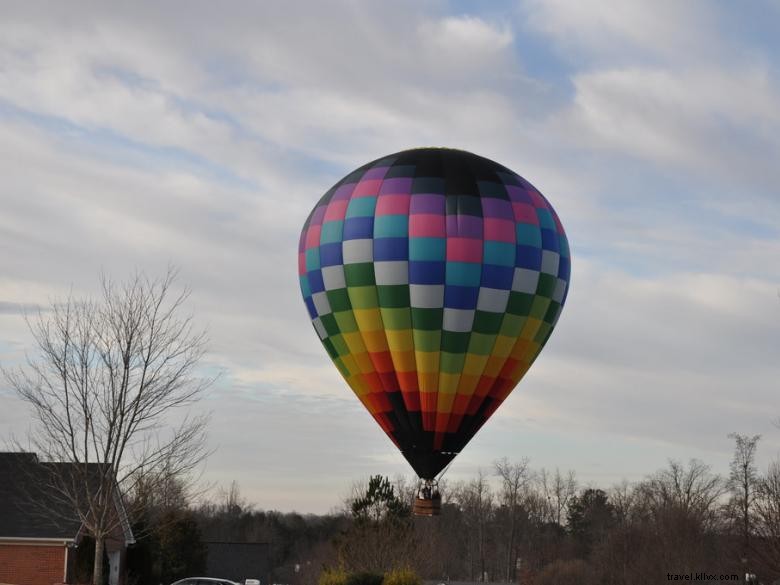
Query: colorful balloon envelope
point(433, 278)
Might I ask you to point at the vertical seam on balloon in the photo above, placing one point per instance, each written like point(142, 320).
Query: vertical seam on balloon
point(381, 318)
point(497, 333)
point(476, 406)
point(468, 341)
point(419, 374)
point(517, 341)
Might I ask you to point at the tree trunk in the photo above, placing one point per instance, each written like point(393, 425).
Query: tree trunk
point(97, 570)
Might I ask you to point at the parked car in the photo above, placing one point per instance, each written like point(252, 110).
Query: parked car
point(204, 581)
point(213, 581)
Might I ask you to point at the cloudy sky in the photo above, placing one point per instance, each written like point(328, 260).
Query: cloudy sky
point(134, 135)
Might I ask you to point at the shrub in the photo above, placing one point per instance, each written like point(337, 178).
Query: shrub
point(364, 578)
point(333, 577)
point(566, 572)
point(402, 577)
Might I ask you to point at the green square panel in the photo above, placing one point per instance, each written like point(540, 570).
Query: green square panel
point(330, 325)
point(552, 312)
point(427, 340)
point(481, 344)
point(546, 285)
point(344, 370)
point(340, 345)
point(396, 319)
point(346, 321)
point(339, 300)
point(393, 295)
point(519, 303)
point(487, 321)
point(512, 325)
point(360, 274)
point(451, 363)
point(363, 297)
point(539, 307)
point(543, 333)
point(454, 342)
point(328, 345)
point(427, 319)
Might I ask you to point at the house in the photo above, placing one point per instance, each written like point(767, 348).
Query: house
point(40, 533)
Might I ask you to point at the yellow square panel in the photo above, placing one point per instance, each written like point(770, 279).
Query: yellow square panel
point(400, 340)
point(368, 319)
point(375, 340)
point(357, 385)
point(364, 362)
point(474, 364)
point(530, 328)
point(503, 346)
point(354, 342)
point(445, 402)
point(403, 361)
point(429, 381)
point(520, 350)
point(448, 383)
point(427, 362)
point(467, 385)
point(493, 366)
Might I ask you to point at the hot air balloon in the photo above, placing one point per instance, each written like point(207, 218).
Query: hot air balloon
point(433, 277)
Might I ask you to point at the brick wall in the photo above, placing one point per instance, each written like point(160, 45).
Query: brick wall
point(31, 565)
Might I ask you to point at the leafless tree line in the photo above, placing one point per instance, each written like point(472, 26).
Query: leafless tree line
point(521, 525)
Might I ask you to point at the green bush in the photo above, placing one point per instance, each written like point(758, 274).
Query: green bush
point(364, 578)
point(402, 577)
point(333, 577)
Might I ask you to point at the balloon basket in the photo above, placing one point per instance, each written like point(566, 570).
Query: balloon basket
point(427, 502)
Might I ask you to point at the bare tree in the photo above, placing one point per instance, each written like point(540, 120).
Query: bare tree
point(743, 481)
point(558, 490)
point(514, 480)
point(767, 510)
point(107, 377)
point(476, 503)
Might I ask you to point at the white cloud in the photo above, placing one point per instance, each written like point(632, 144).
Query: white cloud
point(726, 121)
point(628, 30)
point(135, 135)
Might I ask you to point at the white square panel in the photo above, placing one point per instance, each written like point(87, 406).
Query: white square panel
point(320, 328)
point(333, 277)
point(560, 290)
point(550, 261)
point(525, 280)
point(458, 320)
point(492, 299)
point(356, 251)
point(321, 303)
point(426, 296)
point(392, 272)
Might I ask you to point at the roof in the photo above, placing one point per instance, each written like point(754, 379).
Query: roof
point(30, 508)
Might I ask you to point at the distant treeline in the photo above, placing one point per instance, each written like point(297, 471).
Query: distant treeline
point(520, 525)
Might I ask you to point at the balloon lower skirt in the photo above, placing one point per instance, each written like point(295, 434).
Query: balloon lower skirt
point(428, 464)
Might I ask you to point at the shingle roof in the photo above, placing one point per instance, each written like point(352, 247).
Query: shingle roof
point(27, 508)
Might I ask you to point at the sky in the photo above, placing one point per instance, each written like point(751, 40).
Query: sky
point(201, 134)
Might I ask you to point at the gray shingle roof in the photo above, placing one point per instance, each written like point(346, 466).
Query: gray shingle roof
point(28, 508)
